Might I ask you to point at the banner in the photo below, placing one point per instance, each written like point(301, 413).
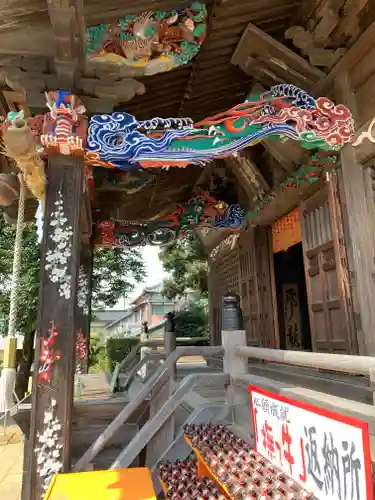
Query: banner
point(325, 452)
point(287, 231)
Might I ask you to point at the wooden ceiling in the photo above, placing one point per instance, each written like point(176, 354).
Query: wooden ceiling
point(42, 48)
point(39, 56)
point(249, 43)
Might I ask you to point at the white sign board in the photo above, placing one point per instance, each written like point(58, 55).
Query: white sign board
point(326, 453)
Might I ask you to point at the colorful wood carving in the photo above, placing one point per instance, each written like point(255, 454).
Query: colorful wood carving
point(119, 140)
point(64, 127)
point(151, 43)
point(306, 175)
point(62, 130)
point(202, 211)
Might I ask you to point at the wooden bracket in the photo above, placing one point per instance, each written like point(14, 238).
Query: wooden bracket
point(67, 21)
point(249, 176)
point(258, 51)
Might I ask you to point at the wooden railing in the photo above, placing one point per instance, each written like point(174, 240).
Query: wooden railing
point(160, 378)
point(235, 355)
point(150, 429)
point(358, 365)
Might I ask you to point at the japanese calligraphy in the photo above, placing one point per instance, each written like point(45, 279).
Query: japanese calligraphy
point(292, 316)
point(311, 447)
point(274, 409)
point(325, 454)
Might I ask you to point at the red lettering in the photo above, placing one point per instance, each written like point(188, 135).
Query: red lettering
point(278, 447)
point(268, 441)
point(287, 445)
point(303, 476)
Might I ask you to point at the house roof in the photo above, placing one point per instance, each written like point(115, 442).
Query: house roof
point(124, 315)
point(150, 289)
point(108, 316)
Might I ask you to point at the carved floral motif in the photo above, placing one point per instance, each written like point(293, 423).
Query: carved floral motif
point(60, 251)
point(49, 446)
point(83, 292)
point(81, 351)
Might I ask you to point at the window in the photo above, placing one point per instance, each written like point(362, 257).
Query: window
point(158, 310)
point(161, 309)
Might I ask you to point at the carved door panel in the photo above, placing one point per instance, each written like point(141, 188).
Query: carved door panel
point(249, 288)
point(267, 311)
point(328, 320)
point(255, 287)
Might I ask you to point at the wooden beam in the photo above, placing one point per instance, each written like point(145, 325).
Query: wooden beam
point(249, 176)
point(67, 21)
point(279, 151)
point(56, 336)
point(257, 49)
point(352, 57)
point(359, 241)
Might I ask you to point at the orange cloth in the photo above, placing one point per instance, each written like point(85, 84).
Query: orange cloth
point(287, 231)
point(124, 484)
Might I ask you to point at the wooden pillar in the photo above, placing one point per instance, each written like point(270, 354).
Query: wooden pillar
point(83, 311)
point(53, 383)
point(359, 239)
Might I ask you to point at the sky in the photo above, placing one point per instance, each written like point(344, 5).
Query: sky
point(154, 270)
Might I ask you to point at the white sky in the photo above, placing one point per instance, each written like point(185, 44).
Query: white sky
point(154, 270)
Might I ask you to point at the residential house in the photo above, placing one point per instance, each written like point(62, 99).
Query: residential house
point(101, 319)
point(151, 307)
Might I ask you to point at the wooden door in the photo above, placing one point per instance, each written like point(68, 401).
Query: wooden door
point(249, 288)
point(256, 287)
point(266, 285)
point(330, 329)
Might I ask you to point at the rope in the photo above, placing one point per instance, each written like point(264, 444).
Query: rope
point(17, 261)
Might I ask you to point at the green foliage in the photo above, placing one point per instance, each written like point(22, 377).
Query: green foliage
point(98, 358)
point(118, 349)
point(187, 264)
point(192, 321)
point(114, 272)
point(28, 289)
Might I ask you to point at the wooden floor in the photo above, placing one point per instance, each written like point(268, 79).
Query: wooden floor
point(95, 386)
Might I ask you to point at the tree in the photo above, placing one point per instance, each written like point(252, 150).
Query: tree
point(192, 321)
point(187, 263)
point(114, 271)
